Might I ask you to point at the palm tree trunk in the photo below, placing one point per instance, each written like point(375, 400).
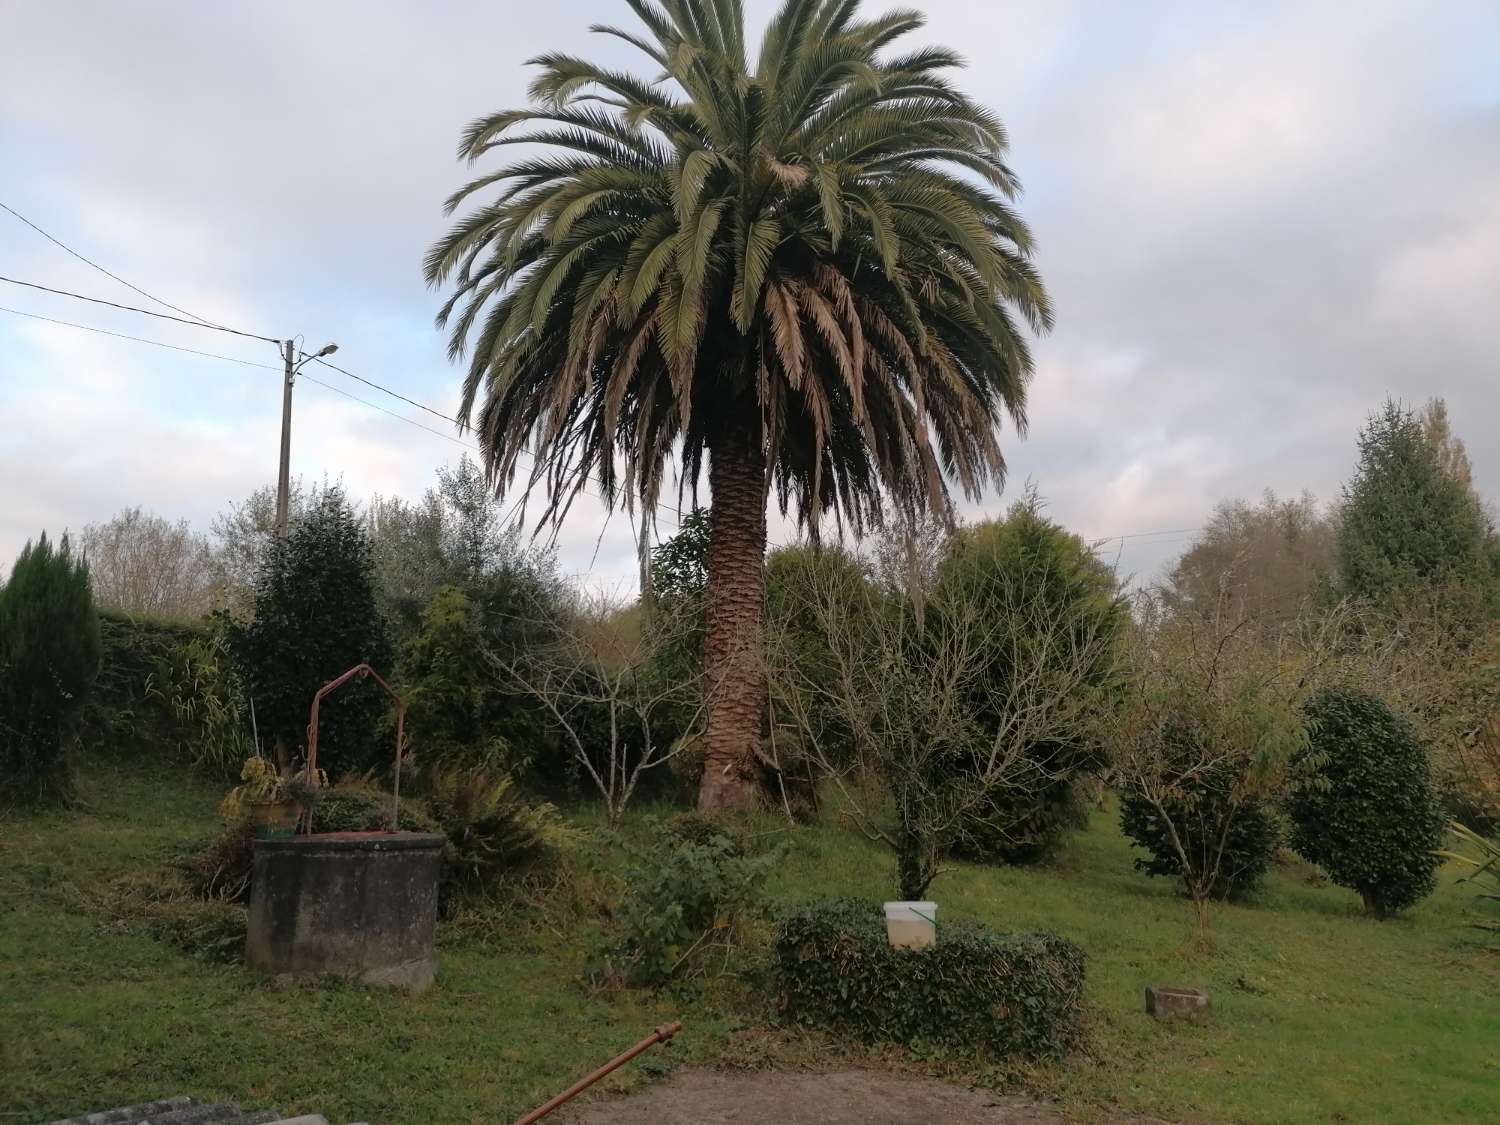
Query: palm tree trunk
point(735, 618)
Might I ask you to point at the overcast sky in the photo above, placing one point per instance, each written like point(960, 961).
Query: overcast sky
point(1255, 220)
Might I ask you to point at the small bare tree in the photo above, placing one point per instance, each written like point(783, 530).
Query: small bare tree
point(1211, 724)
point(599, 680)
point(912, 689)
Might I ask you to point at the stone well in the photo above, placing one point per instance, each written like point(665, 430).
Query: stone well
point(358, 904)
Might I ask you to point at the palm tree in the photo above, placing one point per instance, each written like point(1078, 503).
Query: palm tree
point(803, 275)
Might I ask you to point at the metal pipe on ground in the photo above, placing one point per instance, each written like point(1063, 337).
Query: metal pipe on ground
point(660, 1035)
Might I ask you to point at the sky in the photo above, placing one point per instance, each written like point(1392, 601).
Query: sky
point(1256, 222)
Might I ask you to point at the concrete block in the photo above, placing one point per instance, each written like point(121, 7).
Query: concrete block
point(1175, 1002)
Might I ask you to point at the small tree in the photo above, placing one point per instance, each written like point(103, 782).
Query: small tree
point(1209, 732)
point(596, 679)
point(49, 656)
point(1227, 834)
point(1373, 823)
point(315, 618)
point(457, 713)
point(949, 742)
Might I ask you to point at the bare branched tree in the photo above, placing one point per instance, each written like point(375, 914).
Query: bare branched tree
point(143, 564)
point(912, 689)
point(1211, 722)
point(597, 678)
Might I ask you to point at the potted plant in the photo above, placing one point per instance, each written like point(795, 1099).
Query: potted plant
point(271, 801)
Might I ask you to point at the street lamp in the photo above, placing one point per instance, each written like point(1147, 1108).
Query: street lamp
point(292, 365)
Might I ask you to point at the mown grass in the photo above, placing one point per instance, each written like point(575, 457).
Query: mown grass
point(1320, 1013)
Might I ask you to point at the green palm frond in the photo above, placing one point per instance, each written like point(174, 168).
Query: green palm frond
point(817, 246)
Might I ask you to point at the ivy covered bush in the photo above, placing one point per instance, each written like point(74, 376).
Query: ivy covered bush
point(1372, 820)
point(974, 989)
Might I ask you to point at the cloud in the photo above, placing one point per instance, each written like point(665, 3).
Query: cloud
point(1256, 221)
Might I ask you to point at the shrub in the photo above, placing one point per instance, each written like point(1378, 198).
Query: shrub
point(1201, 816)
point(974, 989)
point(492, 830)
point(1029, 568)
point(1481, 855)
point(361, 807)
point(315, 618)
point(49, 656)
point(1372, 821)
point(684, 895)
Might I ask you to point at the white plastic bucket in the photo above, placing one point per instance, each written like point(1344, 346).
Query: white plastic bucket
point(911, 925)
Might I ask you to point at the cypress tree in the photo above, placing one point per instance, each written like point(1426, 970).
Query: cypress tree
point(49, 656)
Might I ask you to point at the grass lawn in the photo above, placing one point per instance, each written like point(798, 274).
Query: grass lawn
point(1320, 1014)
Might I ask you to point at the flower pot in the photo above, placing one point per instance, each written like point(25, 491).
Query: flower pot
point(273, 819)
point(911, 925)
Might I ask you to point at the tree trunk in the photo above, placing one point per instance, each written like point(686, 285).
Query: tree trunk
point(735, 613)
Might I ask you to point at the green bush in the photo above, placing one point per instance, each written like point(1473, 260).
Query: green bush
point(1200, 817)
point(492, 830)
point(686, 893)
point(315, 618)
point(1027, 567)
point(1372, 820)
point(49, 656)
point(365, 808)
point(974, 989)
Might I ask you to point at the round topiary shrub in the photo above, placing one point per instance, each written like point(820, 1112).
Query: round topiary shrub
point(1371, 820)
point(1200, 817)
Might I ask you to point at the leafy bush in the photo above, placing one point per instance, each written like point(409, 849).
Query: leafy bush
point(360, 807)
point(457, 712)
point(1201, 817)
point(684, 896)
point(492, 830)
point(1028, 567)
point(315, 618)
point(1372, 821)
point(1006, 993)
point(49, 656)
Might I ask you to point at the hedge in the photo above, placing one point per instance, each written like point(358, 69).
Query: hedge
point(136, 653)
point(976, 988)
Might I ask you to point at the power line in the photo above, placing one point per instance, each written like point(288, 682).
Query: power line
point(143, 312)
point(383, 410)
point(140, 339)
point(515, 507)
point(387, 390)
point(89, 262)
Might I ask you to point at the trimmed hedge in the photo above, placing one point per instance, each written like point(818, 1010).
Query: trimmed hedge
point(976, 988)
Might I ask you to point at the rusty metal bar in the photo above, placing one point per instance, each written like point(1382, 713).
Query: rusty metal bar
point(660, 1035)
point(358, 671)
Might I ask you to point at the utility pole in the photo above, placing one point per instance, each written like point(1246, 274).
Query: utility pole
point(284, 473)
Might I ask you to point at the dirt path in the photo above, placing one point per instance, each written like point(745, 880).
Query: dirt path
point(844, 1097)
